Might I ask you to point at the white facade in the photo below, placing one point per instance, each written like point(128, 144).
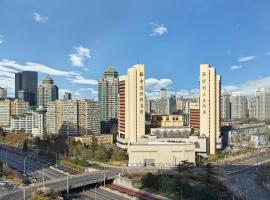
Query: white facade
point(210, 111)
point(24, 122)
point(5, 112)
point(131, 106)
point(238, 106)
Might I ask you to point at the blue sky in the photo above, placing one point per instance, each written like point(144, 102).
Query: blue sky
point(74, 41)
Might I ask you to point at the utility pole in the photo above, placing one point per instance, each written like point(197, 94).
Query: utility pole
point(43, 176)
point(24, 193)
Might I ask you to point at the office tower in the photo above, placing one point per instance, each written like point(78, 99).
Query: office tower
point(238, 106)
point(26, 86)
point(131, 110)
point(163, 103)
point(171, 104)
point(108, 99)
point(3, 93)
point(226, 106)
point(4, 112)
point(163, 93)
point(18, 107)
point(67, 96)
point(179, 104)
point(194, 114)
point(73, 117)
point(89, 119)
point(47, 91)
point(210, 92)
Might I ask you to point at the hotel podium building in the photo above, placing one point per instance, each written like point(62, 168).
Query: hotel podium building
point(210, 106)
point(131, 106)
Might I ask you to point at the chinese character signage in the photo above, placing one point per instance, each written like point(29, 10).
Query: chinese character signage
point(203, 92)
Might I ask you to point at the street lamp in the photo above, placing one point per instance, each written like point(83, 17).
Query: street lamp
point(24, 163)
point(67, 184)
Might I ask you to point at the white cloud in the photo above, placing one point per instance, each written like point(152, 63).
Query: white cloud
point(82, 80)
point(79, 56)
point(236, 67)
point(248, 88)
point(158, 29)
point(1, 39)
point(267, 53)
point(157, 84)
point(83, 93)
point(39, 18)
point(30, 66)
point(9, 67)
point(246, 58)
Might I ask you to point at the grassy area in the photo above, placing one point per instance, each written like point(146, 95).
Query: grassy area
point(190, 183)
point(71, 165)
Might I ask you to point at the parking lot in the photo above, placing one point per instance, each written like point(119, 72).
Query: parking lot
point(6, 187)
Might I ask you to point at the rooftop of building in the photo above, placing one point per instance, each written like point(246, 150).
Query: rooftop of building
point(161, 142)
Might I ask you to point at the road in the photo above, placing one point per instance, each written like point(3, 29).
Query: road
point(33, 166)
point(240, 176)
point(101, 194)
point(64, 184)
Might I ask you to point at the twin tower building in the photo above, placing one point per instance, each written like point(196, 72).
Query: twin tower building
point(131, 107)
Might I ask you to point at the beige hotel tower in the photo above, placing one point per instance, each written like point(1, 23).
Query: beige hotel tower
point(131, 106)
point(210, 108)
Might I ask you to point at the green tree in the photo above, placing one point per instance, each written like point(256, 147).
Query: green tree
point(25, 145)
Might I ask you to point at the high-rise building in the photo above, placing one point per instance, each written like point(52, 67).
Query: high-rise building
point(26, 86)
point(131, 106)
point(51, 118)
point(3, 93)
point(226, 106)
point(5, 112)
point(47, 91)
point(89, 119)
point(108, 99)
point(179, 104)
point(210, 111)
point(72, 117)
point(238, 106)
point(260, 105)
point(171, 104)
point(67, 96)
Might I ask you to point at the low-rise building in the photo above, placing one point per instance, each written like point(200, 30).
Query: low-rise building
point(104, 139)
point(167, 120)
point(160, 153)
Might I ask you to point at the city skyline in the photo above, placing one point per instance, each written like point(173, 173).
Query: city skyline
point(76, 47)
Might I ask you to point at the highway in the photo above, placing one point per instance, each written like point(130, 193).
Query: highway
point(65, 184)
point(33, 167)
